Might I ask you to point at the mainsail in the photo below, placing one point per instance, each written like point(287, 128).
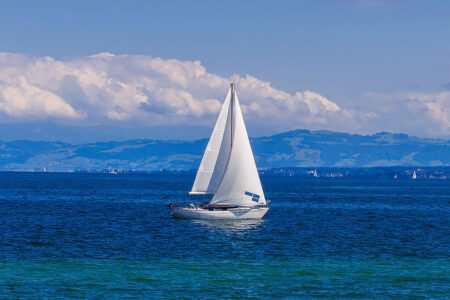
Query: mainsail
point(228, 168)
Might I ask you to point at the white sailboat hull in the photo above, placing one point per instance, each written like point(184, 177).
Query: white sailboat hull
point(219, 214)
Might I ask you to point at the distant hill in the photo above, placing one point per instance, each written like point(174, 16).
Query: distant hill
point(298, 148)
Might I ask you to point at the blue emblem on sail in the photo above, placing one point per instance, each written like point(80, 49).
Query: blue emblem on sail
point(254, 196)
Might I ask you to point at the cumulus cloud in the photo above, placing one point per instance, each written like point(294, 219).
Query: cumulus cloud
point(150, 90)
point(19, 98)
point(105, 89)
point(417, 113)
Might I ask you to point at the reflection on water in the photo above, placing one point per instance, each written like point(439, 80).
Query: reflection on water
point(230, 225)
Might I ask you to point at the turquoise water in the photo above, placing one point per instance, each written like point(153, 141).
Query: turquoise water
point(227, 278)
point(105, 236)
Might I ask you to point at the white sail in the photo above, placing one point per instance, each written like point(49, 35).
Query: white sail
point(240, 185)
point(215, 158)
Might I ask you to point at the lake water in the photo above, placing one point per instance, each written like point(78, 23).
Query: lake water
point(111, 236)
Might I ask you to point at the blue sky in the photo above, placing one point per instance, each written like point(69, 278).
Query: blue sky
point(356, 66)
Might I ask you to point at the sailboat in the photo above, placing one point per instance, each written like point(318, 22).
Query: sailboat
point(227, 171)
point(414, 175)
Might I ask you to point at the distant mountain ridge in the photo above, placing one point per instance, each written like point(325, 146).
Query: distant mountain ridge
point(298, 148)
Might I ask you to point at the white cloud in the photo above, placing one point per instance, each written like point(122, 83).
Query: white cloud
point(111, 88)
point(436, 106)
point(418, 113)
point(18, 98)
point(143, 90)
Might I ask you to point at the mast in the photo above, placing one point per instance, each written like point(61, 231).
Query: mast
point(233, 88)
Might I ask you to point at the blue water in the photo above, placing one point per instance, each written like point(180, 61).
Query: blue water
point(111, 236)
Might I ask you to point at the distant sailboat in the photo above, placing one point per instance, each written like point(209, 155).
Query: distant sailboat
point(315, 173)
point(227, 171)
point(414, 175)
